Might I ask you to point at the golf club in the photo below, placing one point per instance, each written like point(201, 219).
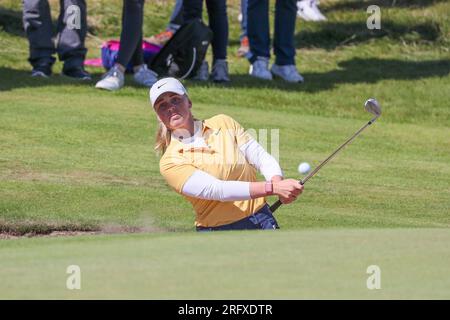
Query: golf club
point(372, 106)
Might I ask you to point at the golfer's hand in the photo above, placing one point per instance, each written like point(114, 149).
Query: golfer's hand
point(287, 190)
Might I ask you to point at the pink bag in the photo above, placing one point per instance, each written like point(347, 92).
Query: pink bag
point(110, 52)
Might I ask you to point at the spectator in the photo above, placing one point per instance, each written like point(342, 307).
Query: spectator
point(218, 22)
point(188, 10)
point(71, 31)
point(176, 20)
point(259, 38)
point(306, 9)
point(130, 50)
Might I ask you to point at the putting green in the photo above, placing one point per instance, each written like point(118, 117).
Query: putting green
point(231, 265)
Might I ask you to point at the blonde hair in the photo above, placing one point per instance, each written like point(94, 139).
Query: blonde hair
point(162, 139)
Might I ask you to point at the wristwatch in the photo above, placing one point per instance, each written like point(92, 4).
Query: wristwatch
point(269, 188)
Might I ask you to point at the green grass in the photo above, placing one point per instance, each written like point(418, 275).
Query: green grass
point(321, 264)
point(76, 158)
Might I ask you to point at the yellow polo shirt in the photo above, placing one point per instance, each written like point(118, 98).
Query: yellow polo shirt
point(222, 159)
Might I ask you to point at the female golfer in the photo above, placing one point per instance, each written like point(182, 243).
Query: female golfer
point(213, 164)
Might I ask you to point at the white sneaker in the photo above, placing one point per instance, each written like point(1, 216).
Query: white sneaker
point(303, 9)
point(145, 76)
point(288, 73)
point(112, 80)
point(308, 11)
point(319, 14)
point(260, 69)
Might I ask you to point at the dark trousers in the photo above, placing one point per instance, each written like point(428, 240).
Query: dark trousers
point(131, 35)
point(70, 41)
point(218, 22)
point(259, 32)
point(176, 19)
point(244, 5)
point(262, 219)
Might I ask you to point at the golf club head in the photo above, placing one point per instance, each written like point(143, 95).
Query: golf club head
point(373, 107)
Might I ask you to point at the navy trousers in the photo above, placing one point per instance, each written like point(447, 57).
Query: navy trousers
point(262, 219)
point(259, 33)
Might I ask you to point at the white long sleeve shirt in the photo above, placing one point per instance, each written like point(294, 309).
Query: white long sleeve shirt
point(205, 186)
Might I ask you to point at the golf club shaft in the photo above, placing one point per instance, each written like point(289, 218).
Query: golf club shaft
point(277, 204)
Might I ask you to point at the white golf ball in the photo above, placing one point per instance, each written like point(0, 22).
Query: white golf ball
point(304, 167)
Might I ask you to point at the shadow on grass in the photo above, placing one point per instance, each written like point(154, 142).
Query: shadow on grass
point(356, 70)
point(372, 70)
point(362, 5)
point(13, 78)
point(11, 21)
point(334, 34)
point(353, 71)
